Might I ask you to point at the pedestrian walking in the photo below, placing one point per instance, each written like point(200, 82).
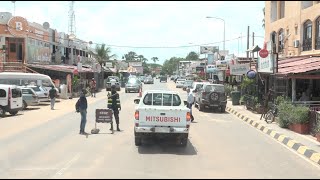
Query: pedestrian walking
point(52, 95)
point(81, 107)
point(190, 102)
point(93, 85)
point(114, 104)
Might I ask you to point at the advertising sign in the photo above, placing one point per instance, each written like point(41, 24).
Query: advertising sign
point(135, 63)
point(209, 49)
point(211, 69)
point(239, 69)
point(265, 65)
point(104, 115)
point(210, 58)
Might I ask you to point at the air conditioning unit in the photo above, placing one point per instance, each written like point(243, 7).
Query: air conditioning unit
point(281, 37)
point(296, 43)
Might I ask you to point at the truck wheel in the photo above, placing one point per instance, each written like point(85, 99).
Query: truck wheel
point(184, 142)
point(223, 109)
point(13, 113)
point(137, 141)
point(2, 112)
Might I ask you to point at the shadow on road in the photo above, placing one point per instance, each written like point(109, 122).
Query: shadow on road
point(162, 147)
point(30, 109)
point(213, 111)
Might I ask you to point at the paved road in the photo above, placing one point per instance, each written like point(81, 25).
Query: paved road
point(220, 146)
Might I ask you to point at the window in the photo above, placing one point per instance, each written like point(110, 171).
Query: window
point(296, 30)
point(16, 93)
point(307, 36)
point(274, 11)
point(27, 91)
point(282, 8)
point(214, 88)
point(318, 33)
point(280, 40)
point(306, 4)
point(273, 39)
point(3, 93)
point(12, 47)
point(159, 99)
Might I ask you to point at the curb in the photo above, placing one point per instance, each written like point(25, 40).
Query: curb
point(287, 141)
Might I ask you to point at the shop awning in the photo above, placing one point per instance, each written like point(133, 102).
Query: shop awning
point(298, 65)
point(61, 68)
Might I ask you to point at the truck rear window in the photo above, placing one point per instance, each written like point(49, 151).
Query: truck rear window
point(162, 99)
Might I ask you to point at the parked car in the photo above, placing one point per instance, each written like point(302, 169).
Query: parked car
point(108, 85)
point(43, 94)
point(195, 88)
point(149, 80)
point(29, 97)
point(187, 84)
point(133, 84)
point(211, 96)
point(180, 82)
point(10, 99)
point(163, 79)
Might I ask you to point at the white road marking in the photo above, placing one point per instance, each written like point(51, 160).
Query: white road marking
point(67, 165)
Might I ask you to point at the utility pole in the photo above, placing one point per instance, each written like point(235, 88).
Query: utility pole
point(252, 45)
point(248, 43)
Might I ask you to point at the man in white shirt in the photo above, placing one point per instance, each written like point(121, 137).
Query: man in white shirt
point(190, 102)
point(113, 82)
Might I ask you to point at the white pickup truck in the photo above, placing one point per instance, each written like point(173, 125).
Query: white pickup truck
point(161, 114)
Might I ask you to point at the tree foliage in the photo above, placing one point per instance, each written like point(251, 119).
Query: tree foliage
point(103, 54)
point(192, 56)
point(171, 65)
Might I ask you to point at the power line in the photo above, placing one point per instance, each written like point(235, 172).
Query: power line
point(137, 47)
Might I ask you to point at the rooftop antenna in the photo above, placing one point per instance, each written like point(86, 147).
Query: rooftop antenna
point(72, 20)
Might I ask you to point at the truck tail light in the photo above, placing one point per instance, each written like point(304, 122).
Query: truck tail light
point(136, 115)
point(137, 124)
point(188, 126)
point(188, 116)
point(9, 97)
point(204, 93)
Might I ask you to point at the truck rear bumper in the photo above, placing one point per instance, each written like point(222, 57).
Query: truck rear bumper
point(161, 130)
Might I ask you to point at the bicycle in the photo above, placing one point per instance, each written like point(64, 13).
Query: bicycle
point(271, 114)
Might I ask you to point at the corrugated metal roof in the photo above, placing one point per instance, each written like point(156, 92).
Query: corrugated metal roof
point(298, 65)
point(62, 68)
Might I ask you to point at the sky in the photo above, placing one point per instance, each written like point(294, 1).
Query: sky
point(152, 28)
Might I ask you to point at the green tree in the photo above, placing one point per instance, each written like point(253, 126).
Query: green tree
point(154, 59)
point(263, 20)
point(192, 56)
point(103, 55)
point(131, 56)
point(171, 65)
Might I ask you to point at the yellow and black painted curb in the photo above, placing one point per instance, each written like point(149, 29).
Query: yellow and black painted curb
point(296, 146)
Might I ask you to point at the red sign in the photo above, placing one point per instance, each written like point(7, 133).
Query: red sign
point(263, 53)
point(75, 72)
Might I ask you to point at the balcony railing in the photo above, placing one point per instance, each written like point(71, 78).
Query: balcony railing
point(318, 43)
point(307, 45)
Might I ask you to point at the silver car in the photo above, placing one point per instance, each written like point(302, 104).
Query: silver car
point(29, 97)
point(148, 80)
point(42, 93)
point(108, 85)
point(133, 85)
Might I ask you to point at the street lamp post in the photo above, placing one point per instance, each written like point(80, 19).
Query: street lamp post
point(224, 30)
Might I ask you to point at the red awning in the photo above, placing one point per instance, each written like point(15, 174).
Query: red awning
point(62, 68)
point(298, 65)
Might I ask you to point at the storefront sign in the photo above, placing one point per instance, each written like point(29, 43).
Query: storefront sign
point(265, 65)
point(17, 26)
point(211, 69)
point(239, 69)
point(135, 63)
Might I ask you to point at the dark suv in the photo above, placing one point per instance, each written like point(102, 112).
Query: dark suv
point(212, 96)
point(163, 78)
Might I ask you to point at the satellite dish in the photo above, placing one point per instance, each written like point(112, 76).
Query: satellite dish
point(46, 25)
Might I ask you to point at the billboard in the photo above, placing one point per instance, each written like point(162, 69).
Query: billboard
point(135, 64)
point(209, 49)
point(210, 58)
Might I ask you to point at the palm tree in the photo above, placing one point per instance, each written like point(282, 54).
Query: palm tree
point(103, 55)
point(263, 20)
point(130, 56)
point(154, 59)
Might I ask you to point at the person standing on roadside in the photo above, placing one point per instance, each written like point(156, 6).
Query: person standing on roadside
point(114, 104)
point(93, 87)
point(82, 106)
point(52, 95)
point(190, 102)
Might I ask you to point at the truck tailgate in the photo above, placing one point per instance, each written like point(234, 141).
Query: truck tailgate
point(173, 117)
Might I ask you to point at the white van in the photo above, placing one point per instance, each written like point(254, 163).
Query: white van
point(10, 99)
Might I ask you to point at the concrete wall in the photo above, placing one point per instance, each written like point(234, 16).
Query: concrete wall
point(292, 23)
